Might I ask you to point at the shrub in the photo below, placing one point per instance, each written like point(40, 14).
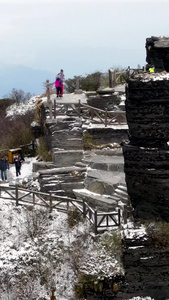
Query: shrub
point(158, 234)
point(16, 131)
point(19, 96)
point(112, 243)
point(74, 217)
point(43, 150)
point(88, 143)
point(89, 83)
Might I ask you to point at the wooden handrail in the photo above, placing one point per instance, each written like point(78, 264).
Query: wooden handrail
point(104, 116)
point(49, 201)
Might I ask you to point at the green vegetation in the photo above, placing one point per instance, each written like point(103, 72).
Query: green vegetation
point(93, 81)
point(112, 243)
point(15, 131)
point(89, 83)
point(74, 217)
point(108, 245)
point(88, 142)
point(43, 150)
point(158, 234)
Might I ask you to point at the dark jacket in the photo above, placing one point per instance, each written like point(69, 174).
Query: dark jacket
point(4, 165)
point(18, 160)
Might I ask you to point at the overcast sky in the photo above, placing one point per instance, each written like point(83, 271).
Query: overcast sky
point(79, 36)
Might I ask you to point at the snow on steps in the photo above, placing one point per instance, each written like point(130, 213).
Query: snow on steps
point(104, 202)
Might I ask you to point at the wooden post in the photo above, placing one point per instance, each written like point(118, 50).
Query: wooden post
point(54, 108)
point(77, 83)
point(95, 221)
point(107, 221)
point(112, 78)
point(16, 192)
point(50, 202)
point(84, 209)
point(125, 214)
point(33, 199)
point(77, 87)
point(49, 102)
point(101, 82)
point(106, 117)
point(119, 216)
point(91, 114)
point(53, 295)
point(128, 73)
point(79, 107)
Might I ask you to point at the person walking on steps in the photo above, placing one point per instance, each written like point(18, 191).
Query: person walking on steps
point(58, 84)
point(17, 161)
point(4, 165)
point(62, 78)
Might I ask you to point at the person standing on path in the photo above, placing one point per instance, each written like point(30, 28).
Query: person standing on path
point(58, 84)
point(62, 78)
point(4, 165)
point(17, 161)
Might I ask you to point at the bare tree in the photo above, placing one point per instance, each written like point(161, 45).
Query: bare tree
point(19, 96)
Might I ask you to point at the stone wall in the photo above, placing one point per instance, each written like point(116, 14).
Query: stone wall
point(104, 101)
point(108, 135)
point(147, 110)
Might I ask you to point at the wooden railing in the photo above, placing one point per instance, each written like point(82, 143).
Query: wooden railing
point(122, 77)
point(96, 115)
point(100, 220)
point(106, 117)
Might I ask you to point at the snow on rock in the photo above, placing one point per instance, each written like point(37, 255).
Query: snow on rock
point(42, 246)
point(153, 76)
point(40, 252)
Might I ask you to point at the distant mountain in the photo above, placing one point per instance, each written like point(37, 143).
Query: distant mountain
point(24, 78)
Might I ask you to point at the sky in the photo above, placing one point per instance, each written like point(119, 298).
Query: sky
point(79, 36)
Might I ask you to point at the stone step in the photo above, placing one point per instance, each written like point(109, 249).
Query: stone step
point(71, 186)
point(41, 165)
point(123, 187)
point(66, 158)
point(104, 202)
point(80, 164)
point(62, 170)
point(68, 143)
point(112, 178)
point(121, 193)
point(62, 178)
point(107, 163)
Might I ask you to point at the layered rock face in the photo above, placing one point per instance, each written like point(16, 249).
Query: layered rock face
point(157, 53)
point(146, 156)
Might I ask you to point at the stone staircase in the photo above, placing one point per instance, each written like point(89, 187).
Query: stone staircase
point(61, 181)
point(104, 186)
point(96, 176)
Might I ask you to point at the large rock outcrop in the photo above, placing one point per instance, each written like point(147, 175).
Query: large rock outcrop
point(146, 156)
point(157, 53)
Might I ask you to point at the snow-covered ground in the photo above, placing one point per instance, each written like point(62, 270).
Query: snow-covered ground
point(26, 172)
point(40, 252)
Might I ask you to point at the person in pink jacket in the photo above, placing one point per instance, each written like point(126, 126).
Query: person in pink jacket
point(58, 86)
point(62, 78)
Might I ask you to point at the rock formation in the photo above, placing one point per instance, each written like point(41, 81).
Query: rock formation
point(146, 156)
point(157, 49)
